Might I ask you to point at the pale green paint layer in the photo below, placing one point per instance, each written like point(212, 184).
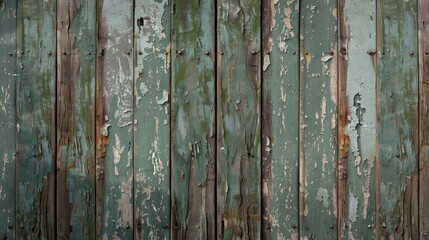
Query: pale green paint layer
point(397, 93)
point(318, 120)
point(36, 120)
point(116, 49)
point(361, 129)
point(7, 117)
point(193, 110)
point(76, 105)
point(280, 119)
point(239, 120)
point(151, 119)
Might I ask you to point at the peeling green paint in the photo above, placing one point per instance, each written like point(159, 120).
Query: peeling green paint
point(151, 119)
point(193, 112)
point(8, 78)
point(115, 77)
point(357, 72)
point(318, 136)
point(280, 119)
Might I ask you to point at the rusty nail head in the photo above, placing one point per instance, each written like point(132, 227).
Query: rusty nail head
point(331, 52)
point(64, 53)
point(306, 53)
point(343, 50)
point(294, 226)
point(50, 54)
point(165, 226)
point(221, 53)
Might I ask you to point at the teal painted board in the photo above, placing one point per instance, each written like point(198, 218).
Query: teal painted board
point(397, 101)
point(193, 120)
point(357, 119)
point(318, 120)
point(152, 119)
point(75, 185)
point(423, 19)
point(7, 117)
point(280, 119)
point(239, 120)
point(36, 141)
point(115, 121)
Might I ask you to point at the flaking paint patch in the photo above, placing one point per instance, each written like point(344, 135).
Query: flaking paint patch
point(125, 210)
point(163, 99)
point(333, 78)
point(353, 207)
point(117, 151)
point(323, 196)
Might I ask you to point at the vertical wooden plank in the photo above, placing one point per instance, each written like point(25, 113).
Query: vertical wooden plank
point(318, 131)
point(423, 21)
point(193, 116)
point(7, 117)
point(114, 107)
point(75, 119)
point(239, 120)
point(151, 116)
point(398, 120)
point(357, 119)
point(36, 44)
point(280, 119)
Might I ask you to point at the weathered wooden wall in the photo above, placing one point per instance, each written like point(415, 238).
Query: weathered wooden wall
point(217, 119)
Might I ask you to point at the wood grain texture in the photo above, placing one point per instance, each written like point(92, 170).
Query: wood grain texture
point(115, 108)
point(7, 117)
point(239, 120)
point(318, 120)
point(280, 119)
point(397, 94)
point(357, 119)
point(151, 118)
point(423, 34)
point(76, 50)
point(193, 120)
point(36, 141)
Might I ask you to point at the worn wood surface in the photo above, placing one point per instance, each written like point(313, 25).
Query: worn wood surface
point(7, 117)
point(36, 142)
point(229, 119)
point(423, 34)
point(357, 119)
point(76, 49)
point(318, 125)
point(280, 119)
point(193, 115)
point(239, 120)
point(397, 93)
point(115, 108)
point(151, 119)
